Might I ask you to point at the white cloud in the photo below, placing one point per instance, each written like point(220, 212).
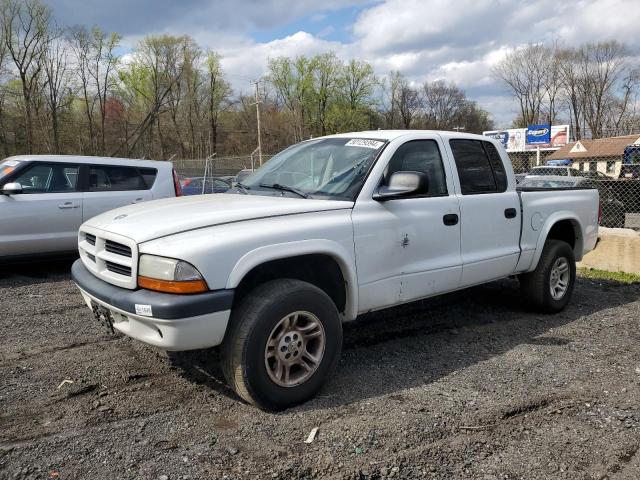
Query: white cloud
point(457, 41)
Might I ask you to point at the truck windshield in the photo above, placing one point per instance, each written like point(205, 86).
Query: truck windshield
point(324, 168)
point(7, 167)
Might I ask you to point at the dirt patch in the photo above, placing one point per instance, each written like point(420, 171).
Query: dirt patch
point(469, 386)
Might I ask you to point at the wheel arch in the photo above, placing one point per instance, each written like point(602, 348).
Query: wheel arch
point(311, 252)
point(564, 226)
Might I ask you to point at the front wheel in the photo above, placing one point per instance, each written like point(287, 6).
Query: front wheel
point(549, 287)
point(284, 340)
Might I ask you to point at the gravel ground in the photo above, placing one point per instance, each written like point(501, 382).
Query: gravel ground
point(468, 386)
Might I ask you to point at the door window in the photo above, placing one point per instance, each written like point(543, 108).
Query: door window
point(479, 169)
point(419, 156)
point(48, 178)
point(496, 164)
point(115, 179)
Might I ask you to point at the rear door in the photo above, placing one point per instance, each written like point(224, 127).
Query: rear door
point(45, 217)
point(112, 186)
point(489, 212)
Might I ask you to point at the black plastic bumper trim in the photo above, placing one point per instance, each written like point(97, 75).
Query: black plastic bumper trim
point(164, 305)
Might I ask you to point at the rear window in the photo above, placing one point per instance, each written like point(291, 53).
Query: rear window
point(148, 176)
point(116, 178)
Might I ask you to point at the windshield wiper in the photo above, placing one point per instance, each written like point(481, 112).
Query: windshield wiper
point(285, 188)
point(242, 188)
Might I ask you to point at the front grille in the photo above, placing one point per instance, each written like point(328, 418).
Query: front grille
point(119, 269)
point(117, 248)
point(110, 257)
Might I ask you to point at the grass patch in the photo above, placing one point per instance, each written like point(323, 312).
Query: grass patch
point(596, 274)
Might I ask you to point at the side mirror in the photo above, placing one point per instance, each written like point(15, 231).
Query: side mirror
point(11, 188)
point(403, 184)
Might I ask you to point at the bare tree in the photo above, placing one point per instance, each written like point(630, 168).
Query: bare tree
point(603, 67)
point(443, 104)
point(571, 80)
point(390, 89)
point(25, 26)
point(3, 96)
point(217, 94)
point(81, 48)
point(57, 82)
point(524, 72)
point(102, 63)
point(408, 102)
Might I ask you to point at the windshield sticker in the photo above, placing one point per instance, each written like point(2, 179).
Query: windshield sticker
point(363, 142)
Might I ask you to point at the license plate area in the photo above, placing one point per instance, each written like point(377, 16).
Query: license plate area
point(103, 315)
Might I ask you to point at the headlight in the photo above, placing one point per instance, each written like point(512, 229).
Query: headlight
point(169, 275)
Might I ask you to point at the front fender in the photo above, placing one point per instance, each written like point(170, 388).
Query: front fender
point(278, 251)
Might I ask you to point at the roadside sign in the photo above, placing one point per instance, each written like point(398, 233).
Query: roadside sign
point(539, 134)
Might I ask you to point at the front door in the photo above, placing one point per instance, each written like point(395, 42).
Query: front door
point(409, 248)
point(44, 218)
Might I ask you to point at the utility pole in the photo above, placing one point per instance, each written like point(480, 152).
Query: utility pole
point(257, 103)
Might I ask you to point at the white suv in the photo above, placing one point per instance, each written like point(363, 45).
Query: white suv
point(44, 199)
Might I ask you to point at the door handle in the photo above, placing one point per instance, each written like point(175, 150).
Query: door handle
point(510, 213)
point(137, 200)
point(66, 205)
point(450, 219)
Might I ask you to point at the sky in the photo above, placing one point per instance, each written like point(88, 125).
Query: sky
point(454, 40)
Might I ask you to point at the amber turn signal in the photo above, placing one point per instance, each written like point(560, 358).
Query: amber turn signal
point(170, 286)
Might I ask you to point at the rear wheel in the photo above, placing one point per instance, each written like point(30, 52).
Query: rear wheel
point(283, 341)
point(549, 287)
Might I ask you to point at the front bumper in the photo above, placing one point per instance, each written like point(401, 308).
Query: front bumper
point(168, 321)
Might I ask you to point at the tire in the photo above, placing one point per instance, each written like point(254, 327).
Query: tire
point(536, 285)
point(251, 367)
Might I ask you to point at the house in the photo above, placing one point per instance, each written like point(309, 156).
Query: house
point(603, 154)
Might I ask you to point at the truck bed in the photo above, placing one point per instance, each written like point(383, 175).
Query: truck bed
point(541, 206)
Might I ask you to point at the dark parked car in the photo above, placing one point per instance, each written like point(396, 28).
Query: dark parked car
point(194, 185)
point(242, 174)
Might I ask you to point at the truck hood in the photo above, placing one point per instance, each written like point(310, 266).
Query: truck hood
point(150, 220)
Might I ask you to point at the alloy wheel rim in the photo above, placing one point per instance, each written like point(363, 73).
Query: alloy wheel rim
point(295, 349)
point(559, 278)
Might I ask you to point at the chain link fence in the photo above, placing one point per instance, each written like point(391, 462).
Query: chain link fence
point(610, 165)
point(213, 174)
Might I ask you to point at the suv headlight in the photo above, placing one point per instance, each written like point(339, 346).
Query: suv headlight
point(169, 275)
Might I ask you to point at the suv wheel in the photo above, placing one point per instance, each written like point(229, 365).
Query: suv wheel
point(283, 341)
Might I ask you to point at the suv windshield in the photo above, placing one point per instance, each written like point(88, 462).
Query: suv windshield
point(7, 167)
point(327, 167)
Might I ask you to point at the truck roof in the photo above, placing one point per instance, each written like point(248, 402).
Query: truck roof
point(393, 134)
point(83, 159)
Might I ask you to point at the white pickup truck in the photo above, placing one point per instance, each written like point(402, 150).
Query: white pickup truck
point(328, 229)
